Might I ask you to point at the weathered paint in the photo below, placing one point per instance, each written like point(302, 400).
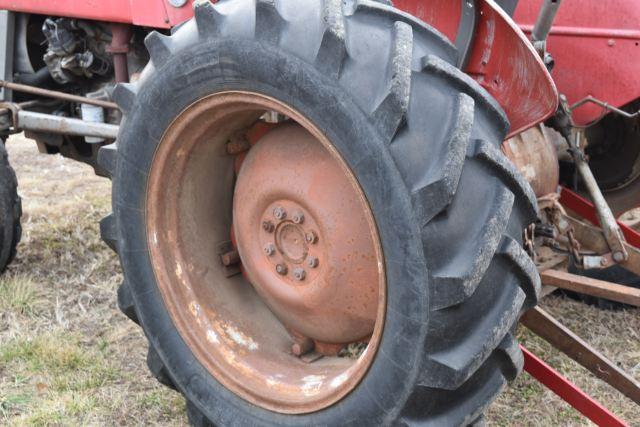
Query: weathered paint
point(596, 46)
point(502, 59)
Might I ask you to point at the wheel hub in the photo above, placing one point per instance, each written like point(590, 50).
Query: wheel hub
point(303, 238)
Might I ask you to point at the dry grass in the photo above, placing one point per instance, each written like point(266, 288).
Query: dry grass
point(69, 357)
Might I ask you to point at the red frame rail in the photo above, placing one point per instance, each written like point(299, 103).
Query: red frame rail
point(569, 392)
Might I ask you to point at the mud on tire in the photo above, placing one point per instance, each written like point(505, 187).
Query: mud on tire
point(421, 137)
point(10, 210)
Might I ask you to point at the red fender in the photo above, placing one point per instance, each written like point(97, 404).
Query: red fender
point(501, 58)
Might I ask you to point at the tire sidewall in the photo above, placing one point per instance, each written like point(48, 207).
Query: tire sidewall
point(207, 68)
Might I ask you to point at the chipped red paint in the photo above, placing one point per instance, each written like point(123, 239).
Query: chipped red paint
point(502, 60)
point(596, 48)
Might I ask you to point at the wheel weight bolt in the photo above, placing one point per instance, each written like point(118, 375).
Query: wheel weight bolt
point(302, 346)
point(270, 249)
point(268, 226)
point(299, 274)
point(279, 213)
point(298, 217)
point(312, 262)
point(281, 269)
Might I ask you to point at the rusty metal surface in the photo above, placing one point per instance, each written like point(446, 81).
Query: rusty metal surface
point(317, 232)
point(39, 122)
point(547, 327)
point(17, 87)
point(592, 238)
point(223, 320)
point(593, 287)
point(119, 48)
point(536, 158)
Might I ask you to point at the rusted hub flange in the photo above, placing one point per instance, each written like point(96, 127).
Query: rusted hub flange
point(301, 198)
point(303, 237)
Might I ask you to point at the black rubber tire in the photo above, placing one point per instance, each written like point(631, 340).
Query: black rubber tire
point(614, 157)
point(10, 211)
point(423, 140)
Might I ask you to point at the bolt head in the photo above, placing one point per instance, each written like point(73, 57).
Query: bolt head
point(299, 274)
point(312, 262)
point(270, 249)
point(281, 269)
point(618, 257)
point(298, 217)
point(268, 226)
point(279, 213)
point(311, 237)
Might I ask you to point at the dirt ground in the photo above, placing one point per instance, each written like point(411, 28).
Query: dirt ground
point(69, 357)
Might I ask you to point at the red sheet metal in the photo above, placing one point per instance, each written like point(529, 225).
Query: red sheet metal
point(596, 45)
point(569, 392)
point(502, 59)
point(147, 13)
point(585, 209)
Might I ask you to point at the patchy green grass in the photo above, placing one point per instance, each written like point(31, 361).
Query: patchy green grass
point(18, 293)
point(69, 357)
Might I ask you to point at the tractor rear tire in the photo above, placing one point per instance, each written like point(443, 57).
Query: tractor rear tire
point(10, 210)
point(423, 141)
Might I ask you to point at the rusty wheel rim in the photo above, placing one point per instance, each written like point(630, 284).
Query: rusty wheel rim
point(296, 290)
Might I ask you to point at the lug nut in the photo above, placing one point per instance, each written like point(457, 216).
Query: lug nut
point(312, 262)
point(270, 249)
point(311, 237)
point(279, 213)
point(281, 269)
point(298, 217)
point(299, 274)
point(268, 226)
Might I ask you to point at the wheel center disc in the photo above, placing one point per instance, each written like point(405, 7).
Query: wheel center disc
point(304, 239)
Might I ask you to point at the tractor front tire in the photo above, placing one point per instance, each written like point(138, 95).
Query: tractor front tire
point(421, 139)
point(10, 210)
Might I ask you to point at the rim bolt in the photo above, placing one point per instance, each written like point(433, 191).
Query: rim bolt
point(312, 262)
point(311, 237)
point(298, 217)
point(299, 274)
point(270, 249)
point(268, 226)
point(279, 213)
point(281, 269)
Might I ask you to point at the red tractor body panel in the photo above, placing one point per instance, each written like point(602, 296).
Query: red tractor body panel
point(596, 45)
point(146, 13)
point(501, 58)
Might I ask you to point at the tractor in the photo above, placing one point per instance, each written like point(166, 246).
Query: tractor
point(333, 212)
